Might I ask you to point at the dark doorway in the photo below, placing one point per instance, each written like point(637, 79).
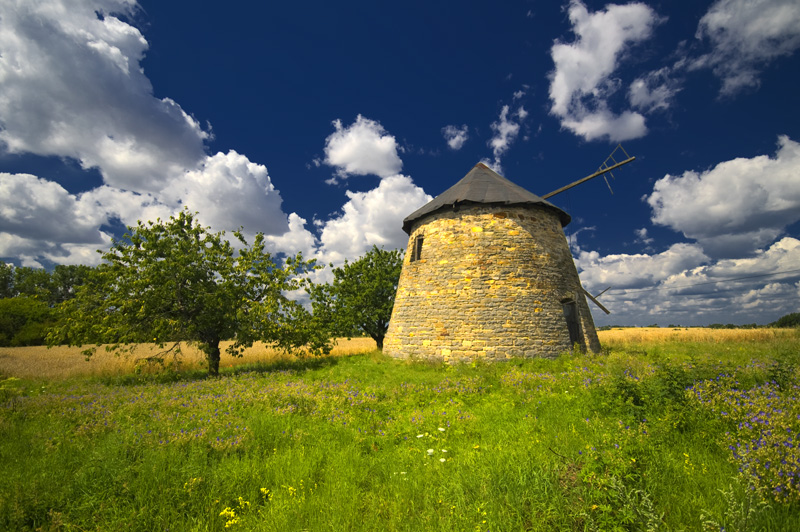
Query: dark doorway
point(573, 325)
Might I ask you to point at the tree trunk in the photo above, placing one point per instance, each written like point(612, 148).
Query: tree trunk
point(212, 355)
point(379, 340)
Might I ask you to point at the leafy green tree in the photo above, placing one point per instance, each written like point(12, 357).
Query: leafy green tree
point(33, 282)
point(173, 281)
point(24, 321)
point(64, 281)
point(6, 280)
point(361, 297)
point(789, 320)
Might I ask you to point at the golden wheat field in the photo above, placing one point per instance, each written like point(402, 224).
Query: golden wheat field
point(63, 362)
point(626, 336)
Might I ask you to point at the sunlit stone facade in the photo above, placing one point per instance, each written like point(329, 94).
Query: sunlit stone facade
point(489, 282)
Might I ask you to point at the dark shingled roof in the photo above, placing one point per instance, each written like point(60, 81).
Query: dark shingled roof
point(484, 186)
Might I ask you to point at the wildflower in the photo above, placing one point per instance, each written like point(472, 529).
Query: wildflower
point(420, 435)
point(442, 459)
point(430, 452)
point(441, 429)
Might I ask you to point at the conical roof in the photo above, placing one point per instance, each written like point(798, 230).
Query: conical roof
point(482, 185)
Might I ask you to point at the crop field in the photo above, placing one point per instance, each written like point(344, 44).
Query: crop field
point(63, 362)
point(688, 429)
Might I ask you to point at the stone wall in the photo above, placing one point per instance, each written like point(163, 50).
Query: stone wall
point(490, 283)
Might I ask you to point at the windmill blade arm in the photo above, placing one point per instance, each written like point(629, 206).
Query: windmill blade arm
point(588, 177)
point(595, 301)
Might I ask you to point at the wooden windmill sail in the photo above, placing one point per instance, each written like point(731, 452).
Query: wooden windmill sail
point(489, 275)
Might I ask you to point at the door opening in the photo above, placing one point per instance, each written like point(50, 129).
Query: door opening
point(573, 325)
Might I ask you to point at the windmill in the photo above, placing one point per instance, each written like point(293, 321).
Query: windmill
point(489, 275)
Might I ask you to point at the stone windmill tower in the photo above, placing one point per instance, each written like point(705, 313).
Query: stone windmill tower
point(488, 275)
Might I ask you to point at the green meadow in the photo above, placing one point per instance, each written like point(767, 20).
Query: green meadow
point(649, 435)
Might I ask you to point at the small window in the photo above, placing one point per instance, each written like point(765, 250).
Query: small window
point(416, 249)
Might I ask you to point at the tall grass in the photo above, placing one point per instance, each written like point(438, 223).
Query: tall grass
point(641, 438)
point(62, 362)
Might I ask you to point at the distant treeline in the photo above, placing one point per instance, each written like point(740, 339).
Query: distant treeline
point(28, 298)
point(789, 320)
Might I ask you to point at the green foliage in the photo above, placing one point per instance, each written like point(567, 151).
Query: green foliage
point(743, 504)
point(65, 280)
point(6, 280)
point(32, 282)
point(24, 321)
point(52, 288)
point(172, 281)
point(789, 320)
point(361, 297)
point(615, 506)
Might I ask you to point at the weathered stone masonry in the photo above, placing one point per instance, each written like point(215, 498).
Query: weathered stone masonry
point(491, 282)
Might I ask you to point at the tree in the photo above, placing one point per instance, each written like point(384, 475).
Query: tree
point(33, 282)
point(24, 321)
point(64, 281)
point(173, 281)
point(6, 280)
point(789, 320)
point(361, 297)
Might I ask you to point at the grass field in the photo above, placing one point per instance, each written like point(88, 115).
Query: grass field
point(675, 430)
point(62, 362)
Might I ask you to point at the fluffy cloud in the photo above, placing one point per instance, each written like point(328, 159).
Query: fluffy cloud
point(642, 236)
point(636, 271)
point(683, 286)
point(653, 91)
point(125, 206)
point(362, 148)
point(581, 82)
point(372, 218)
point(746, 35)
point(455, 136)
point(229, 191)
point(506, 130)
point(296, 239)
point(40, 219)
point(71, 86)
point(737, 206)
point(39, 209)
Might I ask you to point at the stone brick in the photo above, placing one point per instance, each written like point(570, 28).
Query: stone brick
point(491, 283)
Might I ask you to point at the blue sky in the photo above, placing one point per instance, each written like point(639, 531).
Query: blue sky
point(324, 124)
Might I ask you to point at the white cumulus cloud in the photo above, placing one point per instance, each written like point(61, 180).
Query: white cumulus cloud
point(506, 130)
point(747, 35)
point(71, 86)
point(455, 136)
point(735, 207)
point(684, 286)
point(372, 218)
point(362, 148)
point(582, 81)
point(639, 270)
point(229, 191)
point(653, 91)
